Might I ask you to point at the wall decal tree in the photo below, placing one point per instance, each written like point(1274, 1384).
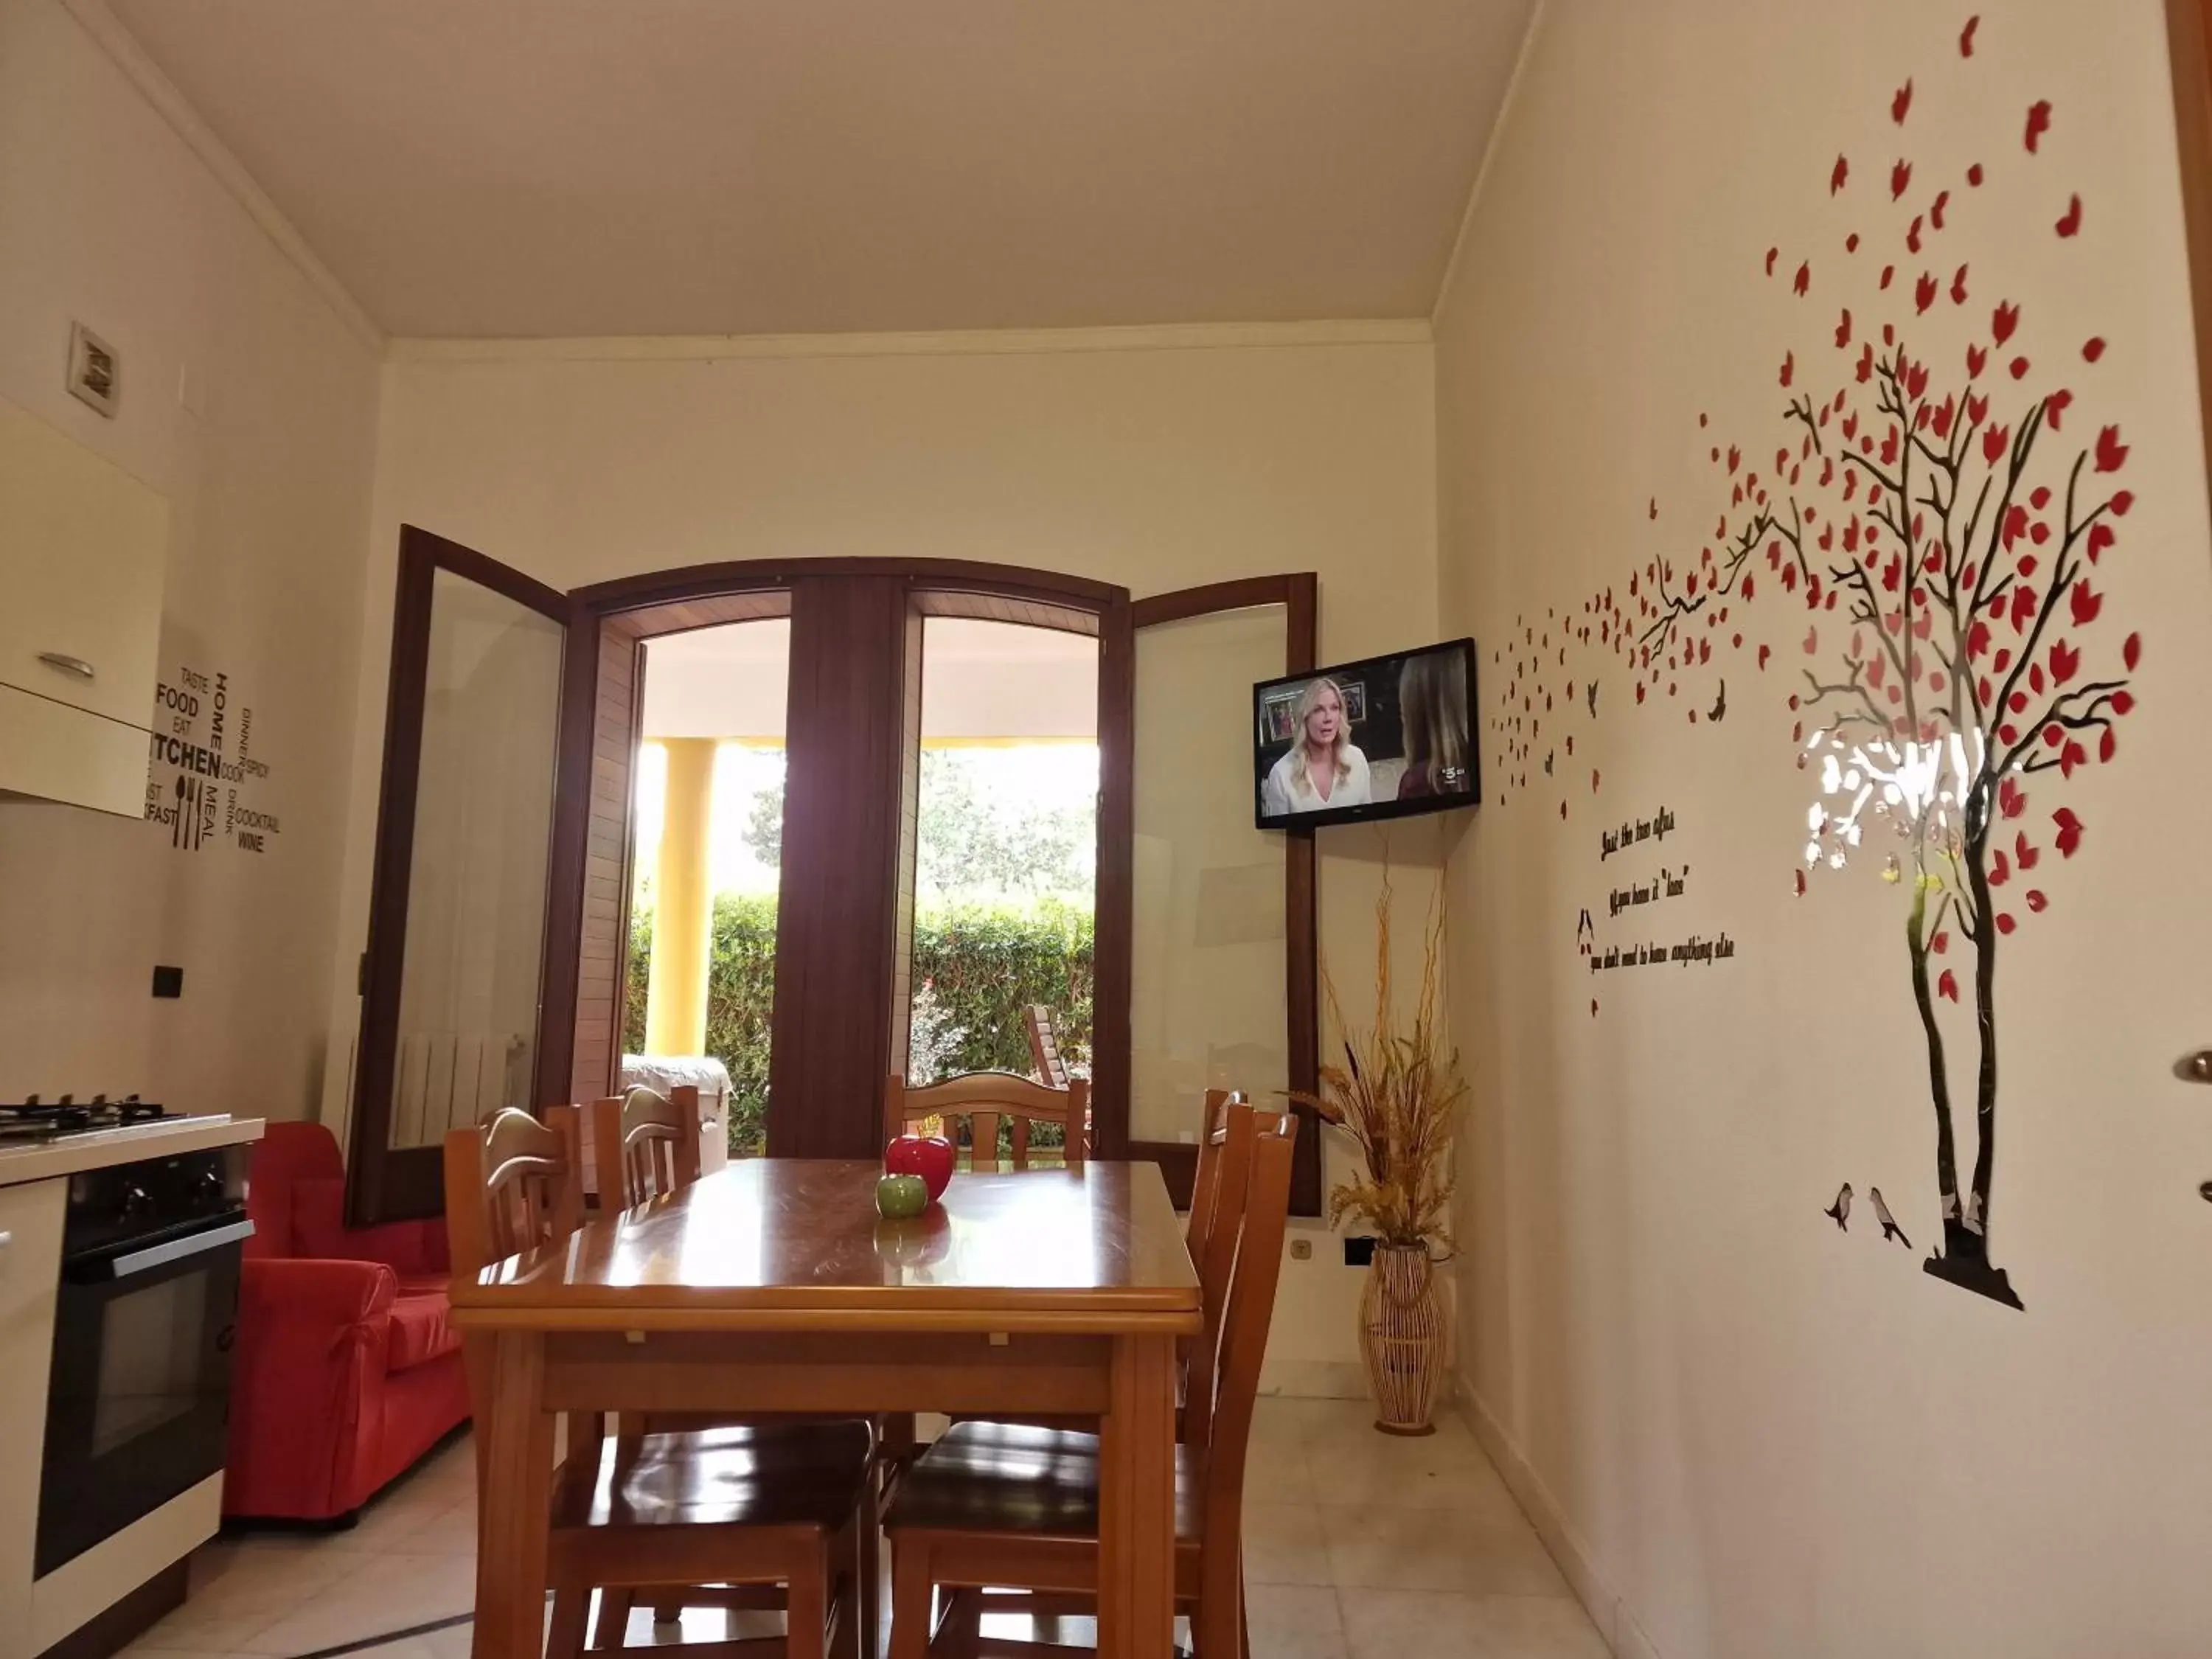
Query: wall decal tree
point(1943, 530)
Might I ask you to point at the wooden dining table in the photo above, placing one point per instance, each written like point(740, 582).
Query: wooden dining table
point(773, 1286)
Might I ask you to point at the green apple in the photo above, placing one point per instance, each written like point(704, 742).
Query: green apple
point(901, 1197)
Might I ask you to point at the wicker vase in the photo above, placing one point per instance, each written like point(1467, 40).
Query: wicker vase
point(1401, 1338)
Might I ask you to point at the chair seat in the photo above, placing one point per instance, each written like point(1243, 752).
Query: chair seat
point(991, 1477)
point(800, 1474)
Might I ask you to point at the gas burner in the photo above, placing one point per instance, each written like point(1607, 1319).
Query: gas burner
point(33, 1119)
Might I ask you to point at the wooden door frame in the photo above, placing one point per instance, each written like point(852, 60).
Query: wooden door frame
point(635, 609)
point(1298, 594)
point(388, 1182)
point(2188, 36)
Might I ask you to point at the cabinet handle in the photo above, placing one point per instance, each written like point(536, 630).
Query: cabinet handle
point(67, 665)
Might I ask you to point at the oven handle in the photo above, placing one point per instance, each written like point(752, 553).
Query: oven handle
point(176, 1250)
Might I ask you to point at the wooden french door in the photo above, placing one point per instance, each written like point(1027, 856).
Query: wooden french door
point(1213, 978)
point(456, 977)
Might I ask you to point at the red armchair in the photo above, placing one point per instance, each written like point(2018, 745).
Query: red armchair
point(346, 1368)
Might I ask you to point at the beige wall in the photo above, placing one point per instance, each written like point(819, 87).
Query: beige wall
point(252, 407)
point(1752, 1434)
point(1157, 468)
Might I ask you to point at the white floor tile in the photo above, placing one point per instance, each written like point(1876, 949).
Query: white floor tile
point(1385, 1547)
point(1285, 1544)
point(1424, 1624)
point(1294, 1622)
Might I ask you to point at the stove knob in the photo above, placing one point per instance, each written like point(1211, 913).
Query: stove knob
point(209, 1187)
point(135, 1201)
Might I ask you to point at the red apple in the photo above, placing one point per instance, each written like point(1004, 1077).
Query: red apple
point(929, 1157)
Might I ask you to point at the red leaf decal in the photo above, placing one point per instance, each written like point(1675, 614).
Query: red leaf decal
point(2064, 660)
point(1977, 358)
point(1900, 102)
point(2039, 122)
point(1593, 779)
point(2036, 901)
point(1763, 654)
point(1936, 208)
point(1843, 171)
point(1811, 640)
point(1978, 639)
point(1924, 291)
point(1994, 440)
point(2000, 869)
point(2121, 502)
point(1947, 985)
point(1967, 36)
point(2093, 347)
point(2100, 537)
point(1912, 236)
point(2054, 406)
point(2023, 606)
point(2086, 603)
point(2003, 320)
point(2107, 743)
point(2131, 653)
point(1770, 254)
point(1959, 288)
point(2028, 855)
point(1843, 329)
point(2012, 799)
point(2110, 452)
point(2069, 831)
point(1788, 365)
point(1901, 178)
point(1804, 277)
point(1974, 175)
point(1888, 273)
point(2005, 923)
point(2018, 366)
point(2071, 223)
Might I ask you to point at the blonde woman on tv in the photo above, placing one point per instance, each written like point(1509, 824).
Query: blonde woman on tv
point(1323, 769)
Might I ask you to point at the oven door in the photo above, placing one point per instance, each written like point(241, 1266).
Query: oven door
point(137, 1404)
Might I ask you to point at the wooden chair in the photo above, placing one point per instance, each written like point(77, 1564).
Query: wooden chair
point(983, 1097)
point(730, 1505)
point(995, 1504)
point(650, 1140)
point(1044, 1048)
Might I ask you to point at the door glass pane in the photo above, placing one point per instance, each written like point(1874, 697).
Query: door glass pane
point(476, 892)
point(1207, 971)
point(1005, 864)
point(699, 987)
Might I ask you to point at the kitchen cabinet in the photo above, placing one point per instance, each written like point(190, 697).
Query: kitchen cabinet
point(82, 548)
point(30, 1271)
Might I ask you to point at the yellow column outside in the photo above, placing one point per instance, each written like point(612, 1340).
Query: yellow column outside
point(683, 905)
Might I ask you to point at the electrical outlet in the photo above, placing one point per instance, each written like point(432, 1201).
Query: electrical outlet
point(1358, 1252)
point(95, 371)
point(169, 982)
point(1302, 1250)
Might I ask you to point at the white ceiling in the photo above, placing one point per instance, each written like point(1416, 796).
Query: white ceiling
point(566, 167)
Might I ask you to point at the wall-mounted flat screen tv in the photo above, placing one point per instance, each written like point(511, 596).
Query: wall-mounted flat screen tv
point(1383, 738)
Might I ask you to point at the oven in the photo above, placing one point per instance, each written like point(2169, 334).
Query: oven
point(138, 1396)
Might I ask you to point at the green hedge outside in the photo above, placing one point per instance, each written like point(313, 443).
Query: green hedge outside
point(984, 967)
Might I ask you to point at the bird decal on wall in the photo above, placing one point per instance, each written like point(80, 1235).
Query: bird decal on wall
point(1889, 1227)
point(1840, 1210)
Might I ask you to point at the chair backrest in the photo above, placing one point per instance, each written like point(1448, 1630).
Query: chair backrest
point(652, 1139)
point(1251, 1306)
point(1044, 1048)
point(1204, 1184)
point(511, 1184)
point(983, 1097)
point(1233, 1126)
point(293, 1162)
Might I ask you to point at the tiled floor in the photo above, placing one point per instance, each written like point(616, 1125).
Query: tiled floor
point(1356, 1547)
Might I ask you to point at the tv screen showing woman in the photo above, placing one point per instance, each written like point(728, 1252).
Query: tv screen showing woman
point(1383, 738)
